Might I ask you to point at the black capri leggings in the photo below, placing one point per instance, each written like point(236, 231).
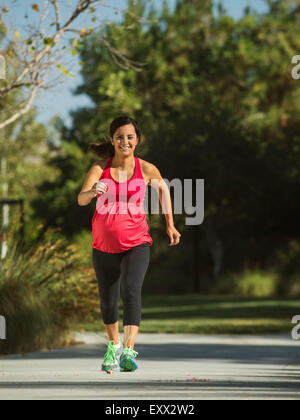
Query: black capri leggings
point(126, 269)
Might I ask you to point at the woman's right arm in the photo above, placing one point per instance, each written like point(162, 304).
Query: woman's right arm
point(88, 191)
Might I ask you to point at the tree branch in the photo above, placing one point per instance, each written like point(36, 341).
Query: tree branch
point(57, 13)
point(4, 91)
point(117, 56)
point(82, 6)
point(23, 111)
point(33, 59)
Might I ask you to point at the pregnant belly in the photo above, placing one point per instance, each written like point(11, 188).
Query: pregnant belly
point(119, 228)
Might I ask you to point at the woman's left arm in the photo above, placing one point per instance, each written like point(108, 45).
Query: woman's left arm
point(156, 181)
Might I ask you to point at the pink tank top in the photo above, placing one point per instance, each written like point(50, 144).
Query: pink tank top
point(119, 222)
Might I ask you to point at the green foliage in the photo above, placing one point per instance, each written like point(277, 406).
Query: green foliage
point(249, 283)
point(43, 290)
point(83, 240)
point(216, 101)
point(288, 270)
point(49, 42)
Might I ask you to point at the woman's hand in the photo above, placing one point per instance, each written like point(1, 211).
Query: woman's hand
point(98, 188)
point(174, 235)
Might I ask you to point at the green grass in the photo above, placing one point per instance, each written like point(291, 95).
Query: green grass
point(211, 315)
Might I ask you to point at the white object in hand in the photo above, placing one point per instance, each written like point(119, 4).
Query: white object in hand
point(100, 186)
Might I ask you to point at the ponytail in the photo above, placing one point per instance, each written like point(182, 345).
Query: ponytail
point(103, 150)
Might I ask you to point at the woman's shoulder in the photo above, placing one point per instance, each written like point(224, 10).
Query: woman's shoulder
point(98, 167)
point(146, 166)
point(101, 164)
point(149, 171)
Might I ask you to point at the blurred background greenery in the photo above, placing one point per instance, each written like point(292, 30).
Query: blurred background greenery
point(215, 100)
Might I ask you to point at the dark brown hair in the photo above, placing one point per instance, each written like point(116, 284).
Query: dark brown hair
point(106, 149)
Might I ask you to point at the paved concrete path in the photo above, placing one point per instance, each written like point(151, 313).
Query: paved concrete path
point(171, 366)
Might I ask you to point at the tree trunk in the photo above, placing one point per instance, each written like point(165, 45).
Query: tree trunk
point(215, 247)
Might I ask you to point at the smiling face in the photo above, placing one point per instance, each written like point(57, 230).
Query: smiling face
point(125, 140)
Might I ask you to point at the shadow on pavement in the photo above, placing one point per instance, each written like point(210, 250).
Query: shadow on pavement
point(237, 353)
point(152, 384)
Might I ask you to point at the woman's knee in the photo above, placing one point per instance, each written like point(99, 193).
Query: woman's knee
point(131, 296)
point(108, 306)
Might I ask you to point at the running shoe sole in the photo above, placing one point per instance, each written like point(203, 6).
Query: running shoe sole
point(110, 369)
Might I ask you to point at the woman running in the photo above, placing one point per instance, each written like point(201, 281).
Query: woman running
point(121, 241)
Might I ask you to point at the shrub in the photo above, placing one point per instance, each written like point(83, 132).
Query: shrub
point(248, 283)
point(288, 269)
point(43, 291)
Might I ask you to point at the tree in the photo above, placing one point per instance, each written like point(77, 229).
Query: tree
point(41, 49)
point(32, 57)
point(215, 101)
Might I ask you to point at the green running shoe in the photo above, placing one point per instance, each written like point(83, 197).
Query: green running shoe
point(127, 360)
point(112, 358)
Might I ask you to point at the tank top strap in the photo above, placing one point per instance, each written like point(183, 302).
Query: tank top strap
point(138, 172)
point(106, 170)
